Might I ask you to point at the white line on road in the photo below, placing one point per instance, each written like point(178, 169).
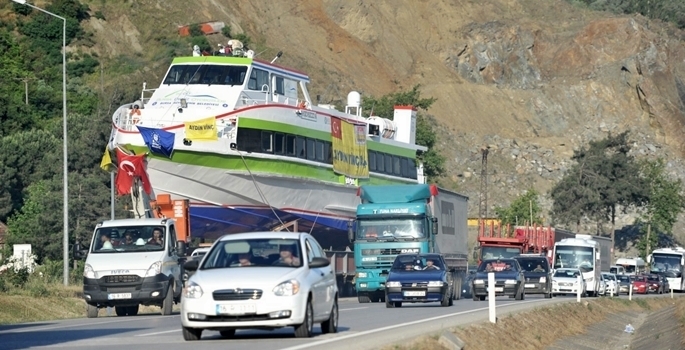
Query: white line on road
point(155, 333)
point(29, 329)
point(371, 331)
point(355, 308)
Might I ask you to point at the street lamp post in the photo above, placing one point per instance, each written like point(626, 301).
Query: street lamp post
point(65, 241)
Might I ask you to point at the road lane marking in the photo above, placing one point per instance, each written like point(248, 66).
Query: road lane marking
point(155, 333)
point(386, 328)
point(29, 329)
point(355, 308)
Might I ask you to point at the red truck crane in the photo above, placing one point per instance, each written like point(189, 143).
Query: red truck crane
point(497, 241)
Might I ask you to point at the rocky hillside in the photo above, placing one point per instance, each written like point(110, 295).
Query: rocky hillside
point(531, 79)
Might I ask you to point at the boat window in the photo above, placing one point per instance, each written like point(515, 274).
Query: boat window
point(404, 167)
point(396, 170)
point(372, 161)
point(258, 78)
point(205, 74)
point(412, 169)
point(311, 150)
point(380, 162)
point(279, 143)
point(267, 142)
point(320, 151)
point(300, 147)
point(248, 140)
point(290, 145)
point(279, 87)
point(328, 151)
point(388, 164)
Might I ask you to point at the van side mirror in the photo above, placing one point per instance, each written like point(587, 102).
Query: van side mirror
point(350, 230)
point(435, 225)
point(181, 248)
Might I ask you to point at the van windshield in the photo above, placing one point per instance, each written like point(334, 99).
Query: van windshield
point(128, 239)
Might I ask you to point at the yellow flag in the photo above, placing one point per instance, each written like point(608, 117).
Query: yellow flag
point(106, 163)
point(203, 130)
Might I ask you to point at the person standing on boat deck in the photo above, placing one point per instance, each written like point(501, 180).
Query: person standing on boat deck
point(196, 51)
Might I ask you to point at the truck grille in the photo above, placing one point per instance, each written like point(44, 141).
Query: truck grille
point(122, 279)
point(237, 294)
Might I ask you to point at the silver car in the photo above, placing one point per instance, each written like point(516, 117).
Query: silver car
point(264, 280)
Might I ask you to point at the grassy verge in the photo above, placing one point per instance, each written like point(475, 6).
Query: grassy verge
point(542, 326)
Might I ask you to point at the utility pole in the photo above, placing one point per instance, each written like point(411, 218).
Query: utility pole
point(483, 205)
point(26, 88)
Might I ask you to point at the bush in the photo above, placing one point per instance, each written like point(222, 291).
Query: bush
point(226, 31)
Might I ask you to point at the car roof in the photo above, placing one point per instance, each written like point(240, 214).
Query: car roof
point(264, 234)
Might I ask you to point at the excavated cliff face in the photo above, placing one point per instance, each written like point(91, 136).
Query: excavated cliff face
point(534, 80)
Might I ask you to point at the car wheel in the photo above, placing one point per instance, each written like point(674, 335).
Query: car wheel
point(398, 304)
point(305, 329)
point(168, 303)
point(476, 298)
point(192, 333)
point(363, 299)
point(92, 311)
point(331, 324)
point(446, 298)
point(227, 333)
point(132, 310)
point(482, 297)
point(548, 296)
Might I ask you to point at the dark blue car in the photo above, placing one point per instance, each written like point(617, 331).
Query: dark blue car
point(509, 279)
point(418, 278)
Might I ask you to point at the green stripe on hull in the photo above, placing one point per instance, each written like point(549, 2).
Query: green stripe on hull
point(259, 165)
point(320, 135)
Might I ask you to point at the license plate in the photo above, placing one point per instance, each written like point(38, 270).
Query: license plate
point(236, 309)
point(116, 296)
point(498, 289)
point(414, 293)
point(529, 285)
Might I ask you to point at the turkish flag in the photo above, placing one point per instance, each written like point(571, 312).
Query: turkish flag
point(336, 127)
point(129, 167)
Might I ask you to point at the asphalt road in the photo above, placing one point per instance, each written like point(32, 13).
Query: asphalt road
point(362, 326)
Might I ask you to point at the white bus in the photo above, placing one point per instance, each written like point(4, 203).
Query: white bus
point(669, 262)
point(584, 253)
point(632, 266)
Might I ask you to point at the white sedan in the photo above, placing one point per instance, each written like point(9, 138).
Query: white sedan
point(264, 280)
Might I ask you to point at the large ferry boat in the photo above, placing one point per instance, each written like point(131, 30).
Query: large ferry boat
point(271, 158)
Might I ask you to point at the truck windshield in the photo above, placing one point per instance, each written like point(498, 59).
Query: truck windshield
point(394, 228)
point(499, 252)
point(574, 257)
point(665, 262)
point(128, 239)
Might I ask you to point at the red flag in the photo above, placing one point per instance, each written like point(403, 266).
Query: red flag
point(129, 167)
point(336, 128)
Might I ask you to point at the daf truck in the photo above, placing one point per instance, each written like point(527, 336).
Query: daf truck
point(396, 219)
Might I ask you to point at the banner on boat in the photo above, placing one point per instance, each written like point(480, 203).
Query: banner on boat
point(350, 156)
point(202, 130)
point(157, 140)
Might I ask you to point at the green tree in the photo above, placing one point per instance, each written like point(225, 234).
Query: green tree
point(604, 179)
point(29, 225)
point(384, 106)
point(666, 202)
point(524, 209)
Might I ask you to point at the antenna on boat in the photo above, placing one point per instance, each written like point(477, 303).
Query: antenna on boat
point(278, 55)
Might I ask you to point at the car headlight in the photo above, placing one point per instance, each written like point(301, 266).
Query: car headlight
point(393, 284)
point(510, 282)
point(478, 282)
point(543, 279)
point(287, 288)
point(193, 291)
point(362, 274)
point(436, 283)
point(88, 271)
point(154, 270)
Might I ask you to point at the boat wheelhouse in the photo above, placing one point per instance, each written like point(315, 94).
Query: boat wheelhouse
point(272, 159)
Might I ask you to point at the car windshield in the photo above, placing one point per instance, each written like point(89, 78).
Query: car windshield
point(574, 257)
point(640, 279)
point(390, 229)
point(256, 252)
point(609, 277)
point(128, 239)
point(567, 273)
point(533, 264)
point(498, 265)
point(654, 278)
point(499, 252)
point(624, 279)
point(417, 263)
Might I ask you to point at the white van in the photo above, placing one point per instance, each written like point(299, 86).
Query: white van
point(617, 270)
point(132, 262)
